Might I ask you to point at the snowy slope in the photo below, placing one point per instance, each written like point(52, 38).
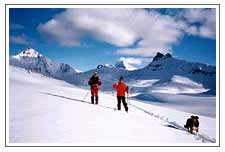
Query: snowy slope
point(45, 110)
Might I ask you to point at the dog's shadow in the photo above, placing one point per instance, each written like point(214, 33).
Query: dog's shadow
point(174, 125)
point(171, 126)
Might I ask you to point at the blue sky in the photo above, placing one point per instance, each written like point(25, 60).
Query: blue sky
point(85, 38)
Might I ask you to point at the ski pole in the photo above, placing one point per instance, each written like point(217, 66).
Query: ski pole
point(113, 94)
point(128, 101)
point(127, 97)
point(85, 96)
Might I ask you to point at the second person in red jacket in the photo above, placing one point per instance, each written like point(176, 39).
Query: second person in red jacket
point(121, 89)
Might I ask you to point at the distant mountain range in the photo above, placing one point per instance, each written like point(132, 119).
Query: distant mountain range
point(163, 70)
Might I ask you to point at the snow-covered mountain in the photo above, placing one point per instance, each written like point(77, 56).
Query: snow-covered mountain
point(166, 69)
point(124, 65)
point(164, 74)
point(33, 61)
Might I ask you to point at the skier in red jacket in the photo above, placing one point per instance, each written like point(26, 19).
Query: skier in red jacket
point(121, 89)
point(94, 82)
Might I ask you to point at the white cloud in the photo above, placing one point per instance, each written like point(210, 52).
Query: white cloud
point(61, 31)
point(194, 15)
point(192, 30)
point(122, 27)
point(135, 62)
point(142, 51)
point(18, 40)
point(131, 60)
point(206, 18)
point(69, 27)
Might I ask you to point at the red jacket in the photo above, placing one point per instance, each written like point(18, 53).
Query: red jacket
point(121, 88)
point(94, 82)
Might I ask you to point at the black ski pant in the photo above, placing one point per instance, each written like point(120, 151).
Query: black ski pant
point(119, 99)
point(96, 99)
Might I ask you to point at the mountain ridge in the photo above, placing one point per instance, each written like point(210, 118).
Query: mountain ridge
point(162, 68)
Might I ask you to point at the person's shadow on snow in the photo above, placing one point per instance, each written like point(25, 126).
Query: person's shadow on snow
point(73, 99)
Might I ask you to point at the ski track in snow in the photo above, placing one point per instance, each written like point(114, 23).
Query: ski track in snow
point(174, 124)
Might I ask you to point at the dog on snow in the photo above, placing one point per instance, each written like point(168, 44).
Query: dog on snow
point(192, 124)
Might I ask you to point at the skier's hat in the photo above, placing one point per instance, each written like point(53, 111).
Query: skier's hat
point(121, 78)
point(95, 73)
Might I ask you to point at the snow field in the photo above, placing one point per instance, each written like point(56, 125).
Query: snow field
point(44, 110)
